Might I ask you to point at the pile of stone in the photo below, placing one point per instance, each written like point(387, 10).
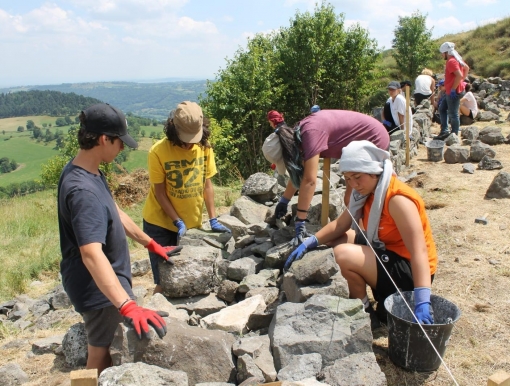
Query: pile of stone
point(492, 96)
point(234, 318)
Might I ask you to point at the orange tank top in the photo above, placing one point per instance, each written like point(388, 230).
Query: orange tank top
point(388, 231)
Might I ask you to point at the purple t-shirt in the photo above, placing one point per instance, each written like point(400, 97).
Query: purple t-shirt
point(327, 132)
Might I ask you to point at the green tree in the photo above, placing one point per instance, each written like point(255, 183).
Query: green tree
point(142, 133)
point(30, 124)
point(20, 129)
point(413, 47)
point(45, 125)
point(36, 132)
point(68, 120)
point(60, 122)
point(14, 165)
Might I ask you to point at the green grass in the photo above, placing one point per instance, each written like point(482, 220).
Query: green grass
point(30, 241)
point(137, 159)
point(11, 124)
point(29, 154)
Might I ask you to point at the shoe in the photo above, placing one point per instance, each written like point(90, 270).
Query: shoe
point(442, 136)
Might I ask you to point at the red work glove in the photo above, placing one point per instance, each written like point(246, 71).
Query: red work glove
point(164, 252)
point(139, 318)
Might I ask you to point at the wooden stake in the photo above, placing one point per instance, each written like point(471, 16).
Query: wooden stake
point(500, 378)
point(326, 167)
point(84, 377)
point(407, 124)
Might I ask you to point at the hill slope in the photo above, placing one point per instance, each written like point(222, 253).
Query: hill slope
point(35, 102)
point(152, 100)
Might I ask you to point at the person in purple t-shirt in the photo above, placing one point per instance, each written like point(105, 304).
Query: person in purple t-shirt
point(320, 135)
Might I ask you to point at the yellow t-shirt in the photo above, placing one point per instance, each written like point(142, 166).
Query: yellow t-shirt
point(184, 172)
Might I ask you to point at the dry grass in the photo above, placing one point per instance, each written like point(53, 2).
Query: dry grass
point(473, 272)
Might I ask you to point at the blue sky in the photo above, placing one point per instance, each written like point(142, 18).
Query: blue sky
point(62, 41)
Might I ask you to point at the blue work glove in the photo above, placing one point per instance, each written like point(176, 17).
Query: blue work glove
point(217, 227)
point(300, 251)
point(281, 208)
point(422, 305)
point(387, 123)
point(453, 94)
point(181, 227)
point(301, 232)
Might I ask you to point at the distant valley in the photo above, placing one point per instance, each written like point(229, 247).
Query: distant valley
point(152, 100)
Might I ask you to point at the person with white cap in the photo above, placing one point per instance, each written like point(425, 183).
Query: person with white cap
point(455, 71)
point(95, 266)
point(397, 227)
point(297, 150)
point(181, 166)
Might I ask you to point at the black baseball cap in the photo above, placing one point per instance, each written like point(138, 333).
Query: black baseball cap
point(105, 119)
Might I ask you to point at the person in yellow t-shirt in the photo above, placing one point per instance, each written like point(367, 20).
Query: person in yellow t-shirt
point(180, 170)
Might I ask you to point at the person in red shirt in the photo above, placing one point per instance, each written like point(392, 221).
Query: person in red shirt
point(455, 71)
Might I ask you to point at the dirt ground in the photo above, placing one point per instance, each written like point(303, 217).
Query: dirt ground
point(473, 273)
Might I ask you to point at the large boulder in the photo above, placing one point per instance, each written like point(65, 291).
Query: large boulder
point(248, 211)
point(204, 355)
point(260, 187)
point(74, 345)
point(194, 272)
point(355, 369)
point(13, 375)
point(478, 150)
point(316, 267)
point(456, 154)
point(135, 374)
point(491, 135)
point(500, 186)
point(344, 329)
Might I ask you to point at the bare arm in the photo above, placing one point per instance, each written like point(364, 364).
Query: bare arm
point(164, 202)
point(334, 229)
point(408, 222)
point(209, 198)
point(102, 273)
point(132, 230)
point(307, 187)
point(433, 91)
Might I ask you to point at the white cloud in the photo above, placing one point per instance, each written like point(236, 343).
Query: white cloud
point(362, 23)
point(451, 25)
point(447, 5)
point(479, 3)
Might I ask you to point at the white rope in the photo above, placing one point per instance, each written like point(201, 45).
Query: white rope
point(387, 273)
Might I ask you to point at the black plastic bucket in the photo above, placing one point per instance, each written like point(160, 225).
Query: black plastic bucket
point(407, 345)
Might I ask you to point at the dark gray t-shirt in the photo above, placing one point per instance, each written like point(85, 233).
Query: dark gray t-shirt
point(87, 214)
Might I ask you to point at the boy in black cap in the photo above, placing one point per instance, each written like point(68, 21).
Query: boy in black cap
point(95, 266)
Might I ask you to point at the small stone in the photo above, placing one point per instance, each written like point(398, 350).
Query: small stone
point(494, 262)
point(477, 259)
point(468, 168)
point(502, 227)
point(456, 260)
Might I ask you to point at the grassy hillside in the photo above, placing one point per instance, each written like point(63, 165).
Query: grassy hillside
point(485, 49)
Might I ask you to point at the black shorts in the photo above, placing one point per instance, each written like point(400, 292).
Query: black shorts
point(101, 324)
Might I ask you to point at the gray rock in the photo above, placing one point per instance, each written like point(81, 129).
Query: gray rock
point(266, 277)
point(244, 241)
point(465, 120)
point(54, 318)
point(215, 384)
point(246, 368)
point(468, 168)
point(237, 227)
point(59, 299)
point(206, 306)
point(334, 179)
point(261, 249)
point(204, 355)
point(17, 344)
point(259, 349)
point(487, 163)
point(276, 256)
point(282, 236)
point(301, 367)
point(47, 345)
point(74, 345)
point(239, 269)
point(487, 116)
point(135, 374)
point(194, 237)
point(491, 135)
point(355, 369)
point(159, 303)
point(316, 267)
point(140, 267)
point(248, 211)
point(261, 229)
point(260, 187)
point(470, 134)
point(194, 272)
point(270, 294)
point(500, 186)
point(13, 375)
point(296, 293)
point(345, 329)
point(456, 154)
point(139, 291)
point(227, 290)
point(478, 150)
point(452, 140)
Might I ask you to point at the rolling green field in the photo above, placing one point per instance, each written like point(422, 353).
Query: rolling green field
point(29, 154)
point(11, 124)
point(137, 159)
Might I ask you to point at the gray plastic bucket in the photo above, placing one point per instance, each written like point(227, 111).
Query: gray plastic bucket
point(407, 346)
point(435, 150)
